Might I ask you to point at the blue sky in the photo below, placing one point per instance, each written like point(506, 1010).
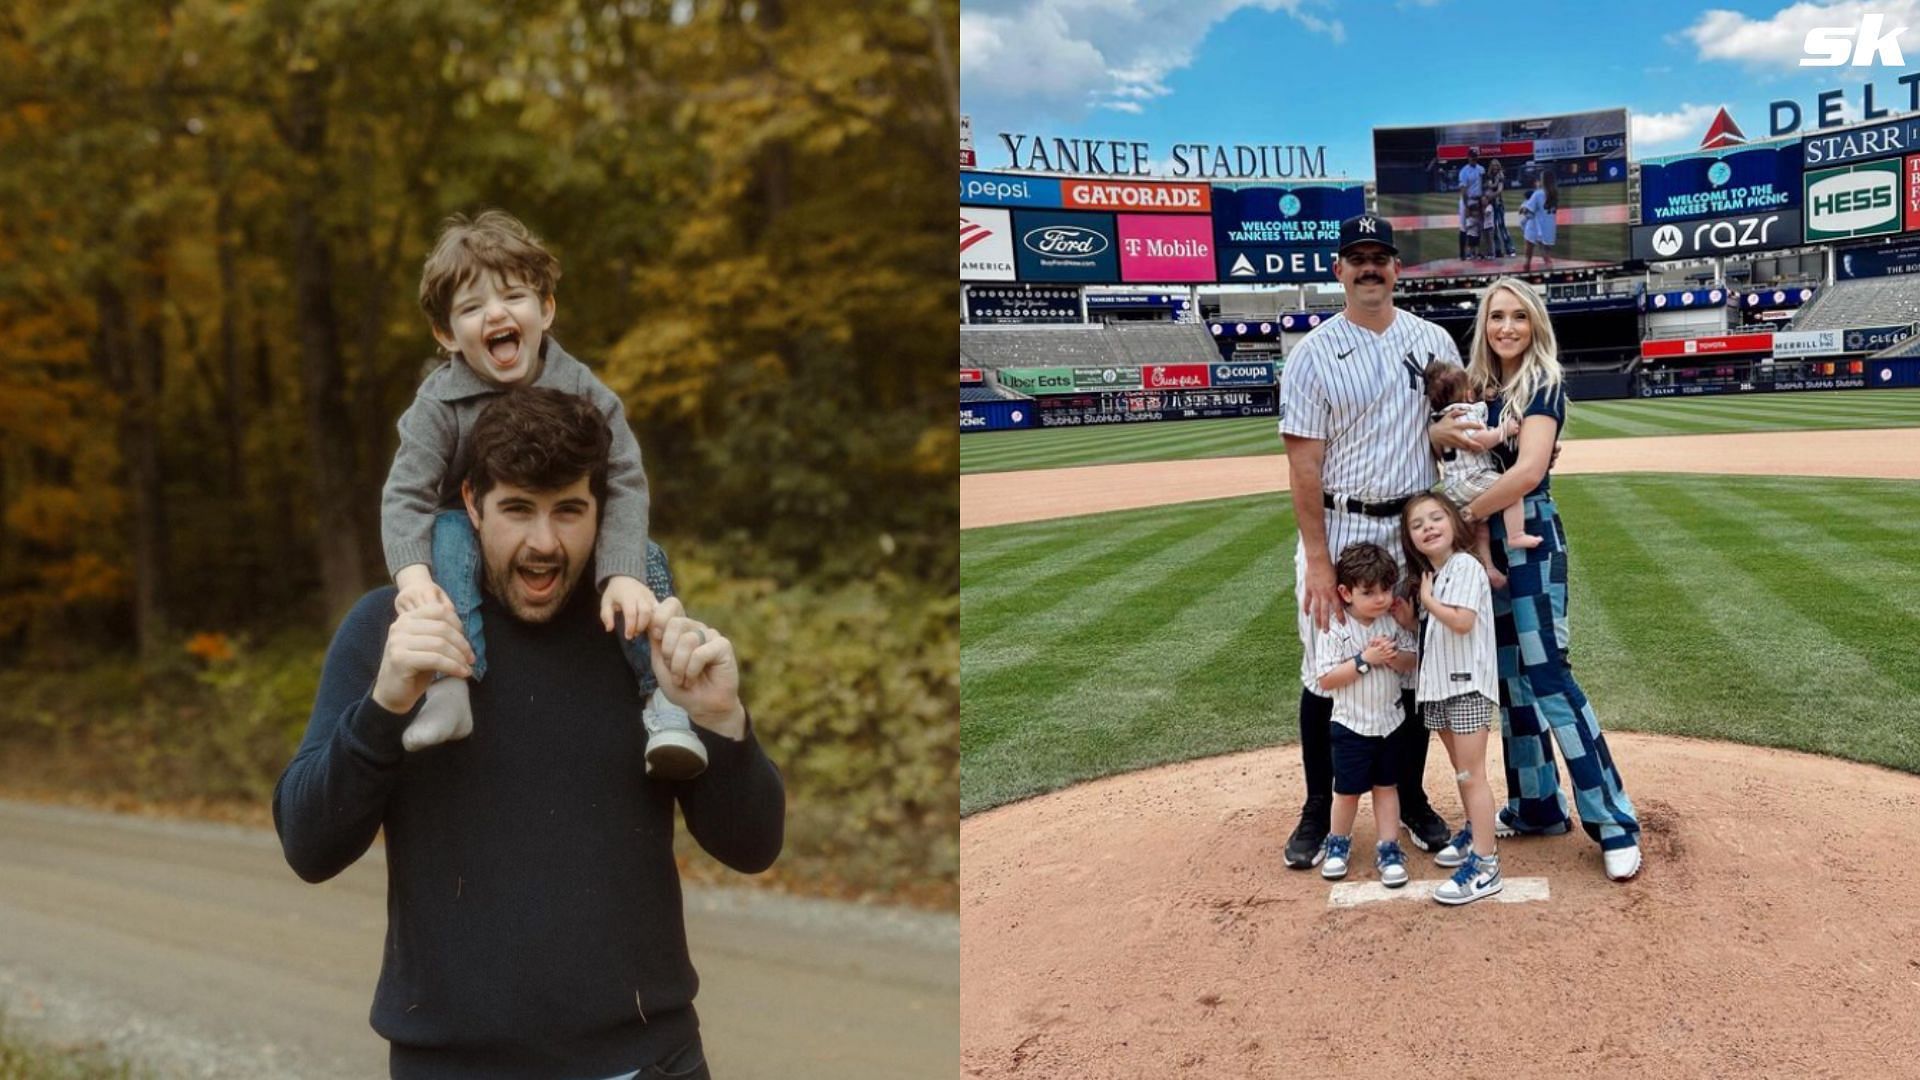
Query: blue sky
point(1325, 72)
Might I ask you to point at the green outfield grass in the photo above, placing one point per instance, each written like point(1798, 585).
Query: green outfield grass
point(1190, 439)
point(1773, 612)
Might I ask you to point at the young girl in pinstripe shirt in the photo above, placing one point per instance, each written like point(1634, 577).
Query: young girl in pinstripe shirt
point(1458, 687)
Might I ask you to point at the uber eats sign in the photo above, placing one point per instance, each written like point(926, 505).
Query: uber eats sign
point(1854, 200)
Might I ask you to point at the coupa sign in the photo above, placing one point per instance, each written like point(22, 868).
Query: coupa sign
point(1855, 200)
point(1242, 375)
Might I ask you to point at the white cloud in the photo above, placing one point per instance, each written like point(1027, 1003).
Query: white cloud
point(1062, 57)
point(1779, 41)
point(1687, 124)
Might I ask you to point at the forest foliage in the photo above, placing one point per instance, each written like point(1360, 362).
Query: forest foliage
point(212, 217)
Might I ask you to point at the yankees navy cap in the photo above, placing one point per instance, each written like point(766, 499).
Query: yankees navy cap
point(1366, 229)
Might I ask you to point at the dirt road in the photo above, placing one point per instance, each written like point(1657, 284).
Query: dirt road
point(193, 948)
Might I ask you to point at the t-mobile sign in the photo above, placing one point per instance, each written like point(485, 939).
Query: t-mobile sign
point(1166, 247)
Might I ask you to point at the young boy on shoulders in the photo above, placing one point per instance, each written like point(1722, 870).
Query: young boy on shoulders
point(488, 292)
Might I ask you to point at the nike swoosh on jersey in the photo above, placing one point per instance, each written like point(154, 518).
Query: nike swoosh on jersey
point(1344, 355)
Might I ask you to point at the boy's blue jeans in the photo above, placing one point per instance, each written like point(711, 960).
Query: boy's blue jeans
point(457, 569)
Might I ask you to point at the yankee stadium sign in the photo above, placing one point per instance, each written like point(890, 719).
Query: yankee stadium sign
point(1205, 161)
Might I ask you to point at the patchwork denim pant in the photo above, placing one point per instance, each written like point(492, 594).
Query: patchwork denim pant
point(457, 570)
point(1538, 694)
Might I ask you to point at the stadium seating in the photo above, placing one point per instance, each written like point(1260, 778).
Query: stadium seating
point(998, 347)
point(1874, 302)
point(969, 394)
point(1909, 347)
point(1126, 345)
point(1166, 343)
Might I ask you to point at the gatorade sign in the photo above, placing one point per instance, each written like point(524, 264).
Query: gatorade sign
point(1854, 200)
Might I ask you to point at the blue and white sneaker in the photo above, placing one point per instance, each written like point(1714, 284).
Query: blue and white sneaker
point(1477, 878)
point(1335, 852)
point(1392, 864)
point(1456, 849)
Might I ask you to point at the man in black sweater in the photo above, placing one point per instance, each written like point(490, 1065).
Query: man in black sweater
point(534, 923)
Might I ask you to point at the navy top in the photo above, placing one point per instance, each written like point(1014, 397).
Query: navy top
point(1549, 401)
point(534, 922)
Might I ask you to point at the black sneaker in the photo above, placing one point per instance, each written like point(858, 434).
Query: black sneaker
point(1305, 847)
point(1428, 832)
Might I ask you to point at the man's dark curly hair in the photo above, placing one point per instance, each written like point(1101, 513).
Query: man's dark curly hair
point(540, 439)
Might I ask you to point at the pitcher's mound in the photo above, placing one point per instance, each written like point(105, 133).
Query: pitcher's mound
point(1145, 925)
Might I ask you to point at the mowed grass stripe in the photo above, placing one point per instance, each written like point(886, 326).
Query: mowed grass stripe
point(1815, 589)
point(1624, 571)
point(1054, 448)
point(1105, 556)
point(1749, 588)
point(1685, 653)
point(1196, 439)
point(1073, 442)
point(1051, 634)
point(1106, 698)
point(1006, 552)
point(1871, 514)
point(1813, 529)
point(1733, 415)
point(1761, 610)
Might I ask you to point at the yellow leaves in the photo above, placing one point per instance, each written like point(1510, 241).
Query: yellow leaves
point(211, 647)
point(46, 515)
point(85, 578)
point(937, 454)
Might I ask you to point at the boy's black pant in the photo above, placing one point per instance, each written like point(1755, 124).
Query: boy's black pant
point(1410, 757)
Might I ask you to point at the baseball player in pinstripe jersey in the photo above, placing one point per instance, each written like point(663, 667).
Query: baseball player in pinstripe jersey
point(1353, 413)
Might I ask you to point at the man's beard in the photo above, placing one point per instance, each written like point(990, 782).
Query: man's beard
point(504, 583)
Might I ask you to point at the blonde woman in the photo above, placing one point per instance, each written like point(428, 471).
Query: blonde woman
point(1513, 353)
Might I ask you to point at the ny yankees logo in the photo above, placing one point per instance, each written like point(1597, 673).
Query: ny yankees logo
point(1367, 226)
point(1416, 375)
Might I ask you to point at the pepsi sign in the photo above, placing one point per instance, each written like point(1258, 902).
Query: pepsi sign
point(997, 189)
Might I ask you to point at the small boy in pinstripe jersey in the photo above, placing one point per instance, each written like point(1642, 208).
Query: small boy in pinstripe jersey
point(1359, 663)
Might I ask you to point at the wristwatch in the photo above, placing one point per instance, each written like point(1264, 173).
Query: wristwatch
point(1360, 663)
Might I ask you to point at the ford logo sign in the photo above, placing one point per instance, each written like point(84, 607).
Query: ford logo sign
point(1070, 241)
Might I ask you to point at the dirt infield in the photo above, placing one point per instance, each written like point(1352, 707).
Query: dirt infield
point(1006, 498)
point(1145, 925)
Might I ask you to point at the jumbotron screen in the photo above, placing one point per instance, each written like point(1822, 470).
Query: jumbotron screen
point(1449, 190)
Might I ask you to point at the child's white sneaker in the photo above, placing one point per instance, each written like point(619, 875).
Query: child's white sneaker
point(1335, 852)
point(674, 751)
point(1392, 864)
point(1477, 878)
point(1456, 850)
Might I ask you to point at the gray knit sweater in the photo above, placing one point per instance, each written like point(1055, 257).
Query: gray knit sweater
point(436, 449)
